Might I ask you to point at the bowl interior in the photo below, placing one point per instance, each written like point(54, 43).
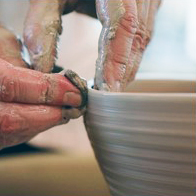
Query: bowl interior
point(162, 86)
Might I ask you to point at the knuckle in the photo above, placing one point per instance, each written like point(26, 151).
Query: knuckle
point(47, 92)
point(129, 23)
point(139, 38)
point(130, 18)
point(11, 129)
point(53, 26)
point(6, 89)
point(120, 59)
point(6, 125)
point(142, 38)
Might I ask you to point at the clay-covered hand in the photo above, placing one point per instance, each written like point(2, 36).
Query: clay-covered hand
point(127, 29)
point(43, 27)
point(31, 101)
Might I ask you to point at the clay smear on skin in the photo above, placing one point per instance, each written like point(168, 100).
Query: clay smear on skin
point(51, 33)
point(112, 12)
point(47, 96)
point(41, 32)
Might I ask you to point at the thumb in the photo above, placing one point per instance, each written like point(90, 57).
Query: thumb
point(41, 31)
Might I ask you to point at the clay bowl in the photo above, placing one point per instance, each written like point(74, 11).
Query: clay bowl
point(144, 139)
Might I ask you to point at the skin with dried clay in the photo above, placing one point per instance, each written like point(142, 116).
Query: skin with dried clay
point(127, 30)
point(32, 101)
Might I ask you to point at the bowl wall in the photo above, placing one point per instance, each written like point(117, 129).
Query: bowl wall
point(144, 140)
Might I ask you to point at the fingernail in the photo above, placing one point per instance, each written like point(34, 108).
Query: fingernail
point(68, 114)
point(65, 118)
point(80, 83)
point(72, 99)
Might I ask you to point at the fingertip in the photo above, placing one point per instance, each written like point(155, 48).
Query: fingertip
point(72, 113)
point(41, 32)
point(72, 99)
point(80, 84)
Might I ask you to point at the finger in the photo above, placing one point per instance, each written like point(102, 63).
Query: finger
point(146, 15)
point(20, 122)
point(30, 86)
point(119, 19)
point(72, 113)
point(140, 42)
point(154, 5)
point(143, 9)
point(10, 48)
point(41, 32)
point(80, 83)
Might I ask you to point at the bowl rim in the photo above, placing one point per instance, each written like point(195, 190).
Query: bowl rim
point(93, 92)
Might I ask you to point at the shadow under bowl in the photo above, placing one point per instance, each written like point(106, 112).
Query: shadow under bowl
point(144, 139)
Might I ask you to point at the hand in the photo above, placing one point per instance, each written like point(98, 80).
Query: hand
point(127, 30)
point(31, 101)
point(43, 27)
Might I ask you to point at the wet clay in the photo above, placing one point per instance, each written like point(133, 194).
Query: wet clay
point(109, 13)
point(80, 83)
point(41, 33)
point(143, 141)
